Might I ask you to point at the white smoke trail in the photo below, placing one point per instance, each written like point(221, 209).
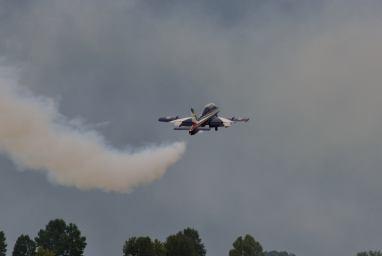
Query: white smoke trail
point(37, 137)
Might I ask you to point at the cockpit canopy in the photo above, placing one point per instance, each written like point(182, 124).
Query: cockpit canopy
point(208, 108)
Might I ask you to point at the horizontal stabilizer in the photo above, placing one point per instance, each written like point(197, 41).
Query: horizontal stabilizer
point(168, 118)
point(240, 119)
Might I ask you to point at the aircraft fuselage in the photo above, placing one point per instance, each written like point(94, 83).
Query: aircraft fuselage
point(208, 119)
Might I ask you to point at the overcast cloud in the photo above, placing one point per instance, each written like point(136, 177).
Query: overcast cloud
point(303, 175)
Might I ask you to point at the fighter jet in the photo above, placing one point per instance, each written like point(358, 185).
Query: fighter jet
point(208, 120)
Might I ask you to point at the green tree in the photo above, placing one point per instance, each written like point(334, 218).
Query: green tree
point(24, 246)
point(3, 245)
point(197, 241)
point(143, 246)
point(61, 239)
point(159, 247)
point(44, 252)
point(185, 243)
point(139, 246)
point(370, 253)
point(246, 246)
point(180, 245)
point(276, 253)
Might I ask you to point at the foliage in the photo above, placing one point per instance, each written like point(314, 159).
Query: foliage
point(44, 252)
point(197, 241)
point(3, 245)
point(185, 243)
point(24, 246)
point(159, 248)
point(138, 247)
point(246, 246)
point(276, 253)
point(370, 253)
point(179, 244)
point(61, 239)
point(143, 246)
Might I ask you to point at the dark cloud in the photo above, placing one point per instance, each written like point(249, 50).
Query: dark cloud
point(303, 176)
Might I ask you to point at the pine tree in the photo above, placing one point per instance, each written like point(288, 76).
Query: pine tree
point(24, 246)
point(61, 239)
point(3, 245)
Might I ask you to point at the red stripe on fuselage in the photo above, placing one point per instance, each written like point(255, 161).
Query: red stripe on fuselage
point(203, 120)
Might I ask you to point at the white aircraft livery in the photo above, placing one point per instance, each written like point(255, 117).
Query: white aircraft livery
point(209, 119)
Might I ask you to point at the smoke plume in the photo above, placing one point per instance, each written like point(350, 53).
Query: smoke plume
point(37, 137)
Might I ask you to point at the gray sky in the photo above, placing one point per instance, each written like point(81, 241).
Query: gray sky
point(304, 176)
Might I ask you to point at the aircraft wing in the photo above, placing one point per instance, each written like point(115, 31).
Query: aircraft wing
point(227, 122)
point(168, 118)
point(240, 119)
point(180, 122)
point(176, 121)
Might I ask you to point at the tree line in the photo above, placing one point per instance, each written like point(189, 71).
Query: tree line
point(61, 239)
